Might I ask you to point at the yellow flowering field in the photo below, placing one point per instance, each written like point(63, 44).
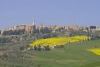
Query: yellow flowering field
point(58, 41)
point(95, 51)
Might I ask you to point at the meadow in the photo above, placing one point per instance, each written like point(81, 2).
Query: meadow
point(71, 55)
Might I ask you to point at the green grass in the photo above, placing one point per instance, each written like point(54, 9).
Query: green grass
point(73, 55)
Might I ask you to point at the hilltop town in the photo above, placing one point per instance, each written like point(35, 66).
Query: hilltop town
point(33, 31)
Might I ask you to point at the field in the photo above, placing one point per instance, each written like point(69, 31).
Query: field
point(95, 50)
point(58, 41)
point(72, 55)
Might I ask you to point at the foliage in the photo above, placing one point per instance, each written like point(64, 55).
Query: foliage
point(5, 39)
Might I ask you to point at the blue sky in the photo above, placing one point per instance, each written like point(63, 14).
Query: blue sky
point(61, 12)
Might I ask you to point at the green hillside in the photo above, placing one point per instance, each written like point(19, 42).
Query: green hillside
point(72, 55)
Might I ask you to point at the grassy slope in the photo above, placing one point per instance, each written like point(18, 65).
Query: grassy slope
point(74, 55)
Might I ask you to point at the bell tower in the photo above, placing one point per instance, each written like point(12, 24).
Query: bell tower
point(33, 22)
point(34, 26)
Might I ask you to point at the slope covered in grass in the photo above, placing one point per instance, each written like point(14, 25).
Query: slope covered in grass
point(74, 55)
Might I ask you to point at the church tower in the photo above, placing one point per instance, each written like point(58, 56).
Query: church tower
point(34, 25)
point(33, 22)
